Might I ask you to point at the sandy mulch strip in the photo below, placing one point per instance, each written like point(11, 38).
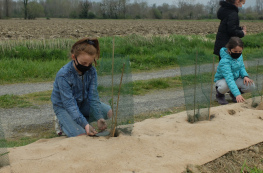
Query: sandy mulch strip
point(166, 144)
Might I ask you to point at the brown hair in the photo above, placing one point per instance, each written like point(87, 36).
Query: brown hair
point(232, 1)
point(86, 45)
point(234, 42)
point(243, 1)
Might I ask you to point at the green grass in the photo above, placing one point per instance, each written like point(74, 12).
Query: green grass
point(148, 86)
point(22, 141)
point(24, 101)
point(132, 88)
point(255, 70)
point(21, 70)
point(140, 87)
point(10, 101)
point(246, 168)
point(39, 60)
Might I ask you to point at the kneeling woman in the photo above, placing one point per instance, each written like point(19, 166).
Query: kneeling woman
point(75, 97)
point(231, 73)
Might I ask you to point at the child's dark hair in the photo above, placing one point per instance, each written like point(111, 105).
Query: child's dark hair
point(86, 45)
point(234, 42)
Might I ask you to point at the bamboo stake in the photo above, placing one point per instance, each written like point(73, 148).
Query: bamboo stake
point(256, 82)
point(195, 82)
point(112, 70)
point(115, 125)
point(254, 95)
point(213, 71)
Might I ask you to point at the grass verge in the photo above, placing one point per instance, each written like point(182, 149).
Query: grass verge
point(39, 60)
point(25, 101)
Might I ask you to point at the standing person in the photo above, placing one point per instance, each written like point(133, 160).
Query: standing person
point(75, 96)
point(231, 73)
point(229, 25)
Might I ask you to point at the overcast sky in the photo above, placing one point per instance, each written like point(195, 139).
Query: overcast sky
point(158, 2)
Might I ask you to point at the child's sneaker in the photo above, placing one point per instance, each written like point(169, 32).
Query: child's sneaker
point(58, 130)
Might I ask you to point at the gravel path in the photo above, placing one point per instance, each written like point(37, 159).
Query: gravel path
point(26, 88)
point(15, 118)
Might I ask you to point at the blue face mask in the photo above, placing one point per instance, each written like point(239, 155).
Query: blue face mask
point(241, 8)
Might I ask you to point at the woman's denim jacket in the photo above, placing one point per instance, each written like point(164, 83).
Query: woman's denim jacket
point(70, 89)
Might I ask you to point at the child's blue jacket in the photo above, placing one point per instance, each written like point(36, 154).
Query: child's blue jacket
point(70, 89)
point(230, 69)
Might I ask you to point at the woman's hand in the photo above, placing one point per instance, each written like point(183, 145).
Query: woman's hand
point(245, 32)
point(240, 99)
point(102, 124)
point(244, 29)
point(90, 130)
point(248, 81)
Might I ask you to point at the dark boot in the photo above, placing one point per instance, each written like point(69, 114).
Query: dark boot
point(220, 98)
point(233, 97)
point(241, 91)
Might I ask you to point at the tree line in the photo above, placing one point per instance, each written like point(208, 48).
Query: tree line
point(118, 9)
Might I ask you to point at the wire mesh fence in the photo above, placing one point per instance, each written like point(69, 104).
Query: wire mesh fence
point(198, 84)
point(4, 159)
point(255, 71)
point(116, 88)
point(21, 126)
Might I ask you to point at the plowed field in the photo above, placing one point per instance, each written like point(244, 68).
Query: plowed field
point(69, 28)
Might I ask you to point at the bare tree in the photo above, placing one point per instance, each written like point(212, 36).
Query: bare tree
point(185, 8)
point(84, 6)
point(25, 9)
point(60, 8)
point(114, 8)
point(1, 9)
point(199, 11)
point(212, 6)
point(7, 8)
point(259, 6)
point(139, 9)
point(122, 8)
point(74, 8)
point(35, 10)
point(16, 8)
point(109, 9)
point(181, 9)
